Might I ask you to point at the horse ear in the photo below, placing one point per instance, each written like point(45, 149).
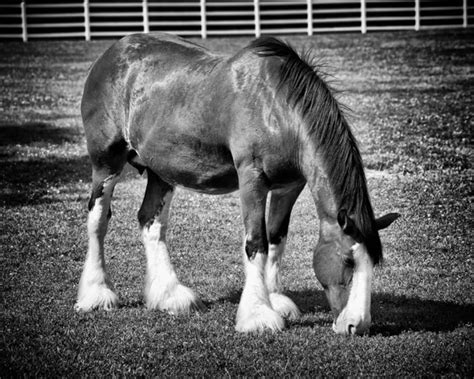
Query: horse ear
point(347, 224)
point(384, 221)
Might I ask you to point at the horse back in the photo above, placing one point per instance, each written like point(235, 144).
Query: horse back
point(130, 68)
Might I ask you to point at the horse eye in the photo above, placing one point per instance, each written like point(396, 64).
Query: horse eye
point(348, 261)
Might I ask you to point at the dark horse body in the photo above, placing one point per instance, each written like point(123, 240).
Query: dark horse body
point(261, 121)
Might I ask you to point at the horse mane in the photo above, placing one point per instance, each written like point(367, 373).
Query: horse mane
point(325, 122)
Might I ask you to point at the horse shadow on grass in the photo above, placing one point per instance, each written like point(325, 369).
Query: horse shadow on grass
point(29, 181)
point(36, 159)
point(38, 132)
point(391, 314)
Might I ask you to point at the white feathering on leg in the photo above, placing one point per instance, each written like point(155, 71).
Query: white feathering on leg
point(284, 306)
point(280, 303)
point(255, 312)
point(163, 291)
point(272, 267)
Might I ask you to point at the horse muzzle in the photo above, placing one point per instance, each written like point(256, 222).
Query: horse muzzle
point(346, 324)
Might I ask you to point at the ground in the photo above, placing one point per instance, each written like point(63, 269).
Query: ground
point(410, 96)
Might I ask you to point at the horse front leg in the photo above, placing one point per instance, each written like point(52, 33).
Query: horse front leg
point(255, 312)
point(281, 204)
point(163, 291)
point(95, 287)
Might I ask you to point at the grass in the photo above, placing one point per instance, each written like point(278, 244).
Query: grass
point(411, 96)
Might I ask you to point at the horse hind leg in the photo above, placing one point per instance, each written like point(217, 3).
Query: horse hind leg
point(163, 291)
point(281, 204)
point(95, 288)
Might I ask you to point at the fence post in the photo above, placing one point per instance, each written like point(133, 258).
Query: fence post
point(24, 32)
point(256, 6)
point(146, 25)
point(203, 20)
point(363, 17)
point(417, 15)
point(464, 13)
point(87, 24)
point(310, 17)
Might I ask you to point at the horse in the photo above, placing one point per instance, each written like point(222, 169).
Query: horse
point(262, 121)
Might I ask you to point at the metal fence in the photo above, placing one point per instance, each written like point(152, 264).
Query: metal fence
point(97, 19)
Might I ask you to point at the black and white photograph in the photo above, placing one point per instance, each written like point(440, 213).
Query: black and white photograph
point(237, 188)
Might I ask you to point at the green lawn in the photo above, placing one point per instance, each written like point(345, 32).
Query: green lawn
point(411, 99)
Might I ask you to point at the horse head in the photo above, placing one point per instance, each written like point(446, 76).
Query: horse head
point(344, 267)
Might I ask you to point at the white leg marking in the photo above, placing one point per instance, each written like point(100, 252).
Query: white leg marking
point(284, 306)
point(357, 310)
point(272, 268)
point(280, 303)
point(163, 291)
point(255, 312)
point(95, 288)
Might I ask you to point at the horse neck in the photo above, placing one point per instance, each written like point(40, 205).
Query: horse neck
point(313, 168)
point(328, 203)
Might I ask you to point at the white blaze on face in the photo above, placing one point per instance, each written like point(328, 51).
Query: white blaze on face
point(355, 317)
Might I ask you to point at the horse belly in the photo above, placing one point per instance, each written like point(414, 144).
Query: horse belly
point(193, 164)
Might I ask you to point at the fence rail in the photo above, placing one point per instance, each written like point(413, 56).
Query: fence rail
point(90, 19)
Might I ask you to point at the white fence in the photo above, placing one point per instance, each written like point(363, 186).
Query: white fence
point(95, 19)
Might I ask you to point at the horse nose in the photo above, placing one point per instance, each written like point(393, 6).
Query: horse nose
point(360, 328)
point(351, 324)
point(351, 327)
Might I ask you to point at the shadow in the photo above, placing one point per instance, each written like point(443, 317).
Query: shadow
point(309, 301)
point(38, 132)
point(27, 182)
point(391, 314)
point(232, 297)
point(129, 304)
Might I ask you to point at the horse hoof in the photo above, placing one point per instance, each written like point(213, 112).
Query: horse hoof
point(259, 319)
point(195, 305)
point(97, 297)
point(284, 306)
point(177, 301)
